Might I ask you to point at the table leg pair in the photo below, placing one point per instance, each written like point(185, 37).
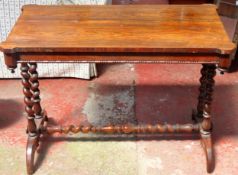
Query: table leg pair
point(37, 118)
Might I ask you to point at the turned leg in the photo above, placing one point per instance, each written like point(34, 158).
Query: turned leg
point(35, 116)
point(198, 113)
point(203, 91)
point(31, 125)
point(204, 107)
point(35, 90)
point(39, 113)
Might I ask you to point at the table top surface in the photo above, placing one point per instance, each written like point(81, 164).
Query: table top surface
point(115, 28)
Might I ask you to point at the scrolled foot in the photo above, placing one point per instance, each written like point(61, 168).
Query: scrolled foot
point(32, 144)
point(206, 142)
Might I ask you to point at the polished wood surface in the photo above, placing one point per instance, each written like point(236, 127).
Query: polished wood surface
point(115, 28)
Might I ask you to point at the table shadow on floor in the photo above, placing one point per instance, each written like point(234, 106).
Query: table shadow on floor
point(10, 112)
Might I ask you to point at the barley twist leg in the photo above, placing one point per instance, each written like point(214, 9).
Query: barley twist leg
point(206, 124)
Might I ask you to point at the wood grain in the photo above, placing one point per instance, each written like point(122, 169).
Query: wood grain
point(127, 28)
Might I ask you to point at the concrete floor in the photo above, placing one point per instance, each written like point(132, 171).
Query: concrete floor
point(123, 93)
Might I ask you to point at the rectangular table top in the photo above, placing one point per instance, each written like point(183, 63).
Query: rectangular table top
point(115, 28)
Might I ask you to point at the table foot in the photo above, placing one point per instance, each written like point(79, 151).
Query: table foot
point(206, 143)
point(32, 144)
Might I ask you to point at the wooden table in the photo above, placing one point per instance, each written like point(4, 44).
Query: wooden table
point(174, 34)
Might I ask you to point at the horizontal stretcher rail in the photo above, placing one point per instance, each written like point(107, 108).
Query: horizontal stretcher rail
point(124, 129)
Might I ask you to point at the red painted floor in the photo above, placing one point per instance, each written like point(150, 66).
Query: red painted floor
point(122, 94)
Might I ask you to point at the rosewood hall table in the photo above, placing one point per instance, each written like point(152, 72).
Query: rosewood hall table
point(173, 34)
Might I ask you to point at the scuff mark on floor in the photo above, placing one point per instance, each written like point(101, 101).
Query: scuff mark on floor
point(113, 108)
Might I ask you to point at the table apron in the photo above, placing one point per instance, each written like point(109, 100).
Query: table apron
point(185, 59)
point(223, 61)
